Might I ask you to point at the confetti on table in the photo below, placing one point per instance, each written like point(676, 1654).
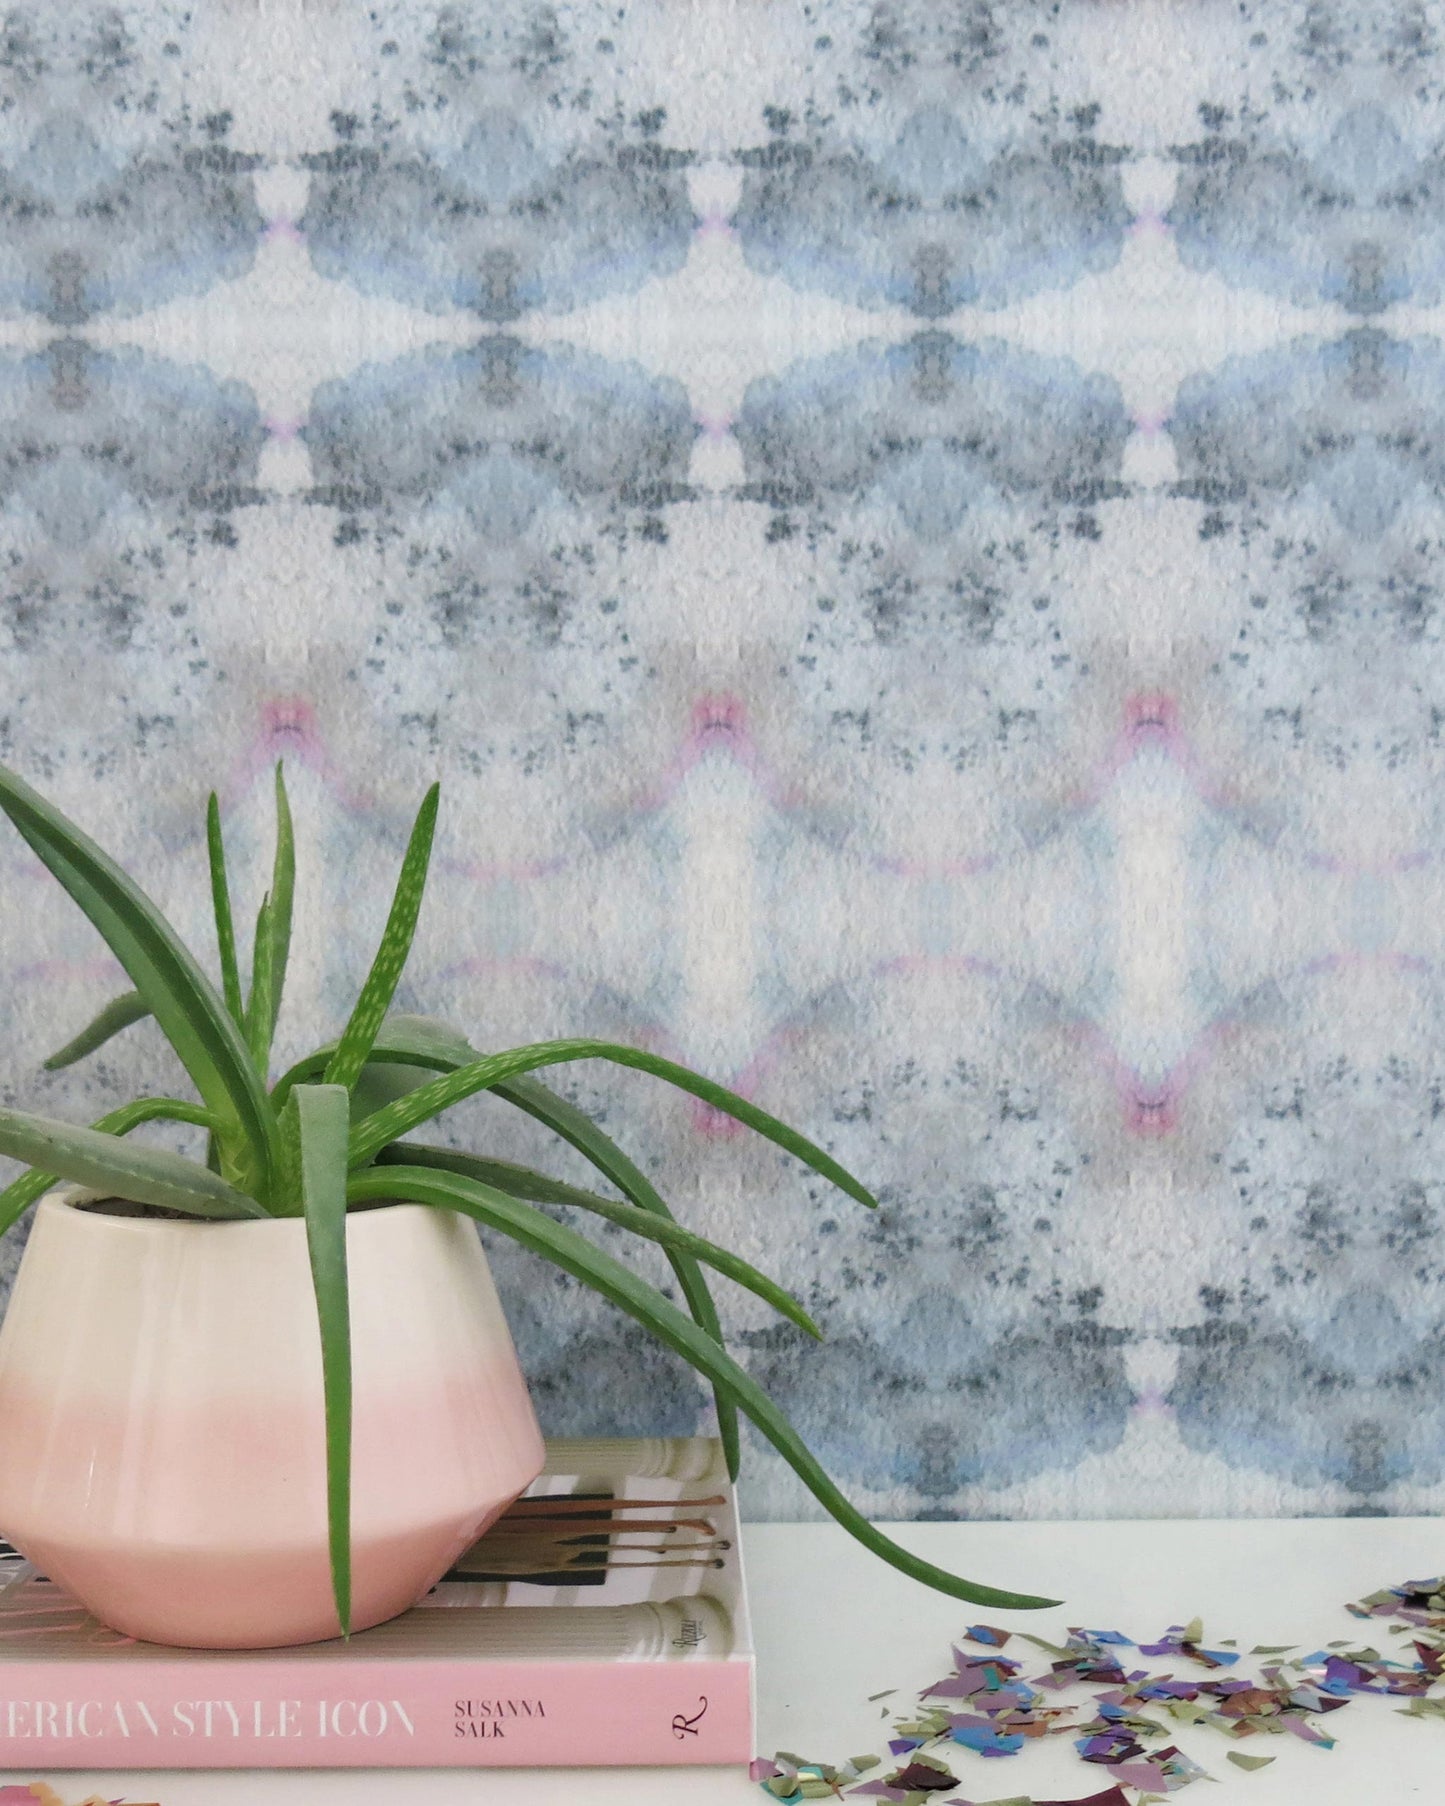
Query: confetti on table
point(1166, 1771)
point(987, 1705)
point(1182, 1639)
point(1414, 1601)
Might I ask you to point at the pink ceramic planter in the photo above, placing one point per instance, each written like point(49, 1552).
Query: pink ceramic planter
point(162, 1447)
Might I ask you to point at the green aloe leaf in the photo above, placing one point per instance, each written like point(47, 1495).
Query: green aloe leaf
point(360, 1032)
point(119, 1013)
point(408, 1113)
point(283, 894)
point(320, 1114)
point(261, 1000)
point(418, 1042)
point(576, 1128)
point(21, 1193)
point(381, 1082)
point(409, 1044)
point(575, 1255)
point(107, 1164)
point(221, 910)
point(192, 1017)
point(522, 1182)
point(517, 1181)
point(272, 945)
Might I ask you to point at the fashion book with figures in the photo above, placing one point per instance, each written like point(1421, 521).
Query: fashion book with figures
point(602, 1620)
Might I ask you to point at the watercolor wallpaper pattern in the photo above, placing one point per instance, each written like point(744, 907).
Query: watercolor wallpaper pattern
point(911, 532)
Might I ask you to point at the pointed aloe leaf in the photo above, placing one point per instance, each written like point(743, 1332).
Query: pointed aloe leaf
point(438, 1094)
point(191, 1015)
point(576, 1255)
point(221, 910)
point(272, 944)
point(576, 1128)
point(318, 1115)
point(119, 1013)
point(283, 894)
point(121, 1169)
point(376, 994)
point(522, 1182)
point(407, 1045)
point(420, 1042)
point(21, 1193)
point(517, 1181)
point(261, 1000)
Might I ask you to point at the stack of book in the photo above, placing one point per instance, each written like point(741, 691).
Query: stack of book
point(603, 1619)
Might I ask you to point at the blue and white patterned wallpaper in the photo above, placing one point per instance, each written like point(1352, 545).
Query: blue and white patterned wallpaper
point(909, 531)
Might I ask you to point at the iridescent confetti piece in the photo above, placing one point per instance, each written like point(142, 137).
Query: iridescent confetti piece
point(1111, 1796)
point(923, 1775)
point(789, 1778)
point(1165, 1772)
point(1241, 1760)
point(1308, 1734)
point(1165, 1688)
point(988, 1634)
point(1012, 1698)
point(1414, 1600)
point(986, 1741)
point(1014, 1799)
point(1177, 1640)
point(1249, 1702)
point(1143, 1775)
point(974, 1677)
point(1109, 1747)
point(1423, 1708)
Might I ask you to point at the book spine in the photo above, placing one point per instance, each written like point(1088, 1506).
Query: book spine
point(374, 1714)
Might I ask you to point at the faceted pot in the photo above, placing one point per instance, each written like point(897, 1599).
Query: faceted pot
point(162, 1433)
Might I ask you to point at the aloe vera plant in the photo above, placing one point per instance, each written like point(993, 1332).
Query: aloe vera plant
point(332, 1134)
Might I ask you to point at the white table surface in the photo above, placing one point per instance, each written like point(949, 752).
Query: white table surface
point(834, 1625)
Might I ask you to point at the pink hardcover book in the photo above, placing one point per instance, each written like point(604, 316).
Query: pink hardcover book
point(603, 1620)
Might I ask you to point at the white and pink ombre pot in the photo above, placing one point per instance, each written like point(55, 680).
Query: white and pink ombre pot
point(162, 1445)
